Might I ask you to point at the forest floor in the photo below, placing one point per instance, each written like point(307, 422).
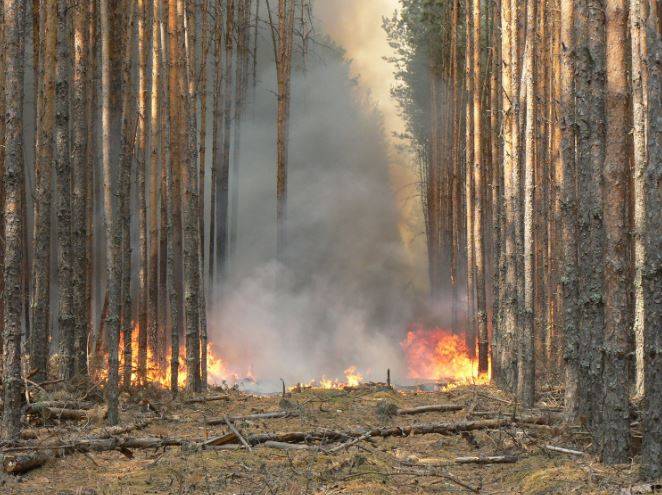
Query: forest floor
point(417, 463)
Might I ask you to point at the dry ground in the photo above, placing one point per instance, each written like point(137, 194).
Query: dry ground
point(393, 465)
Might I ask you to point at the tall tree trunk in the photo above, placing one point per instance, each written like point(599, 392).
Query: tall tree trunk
point(567, 193)
point(155, 128)
point(526, 357)
point(590, 120)
point(80, 124)
point(222, 214)
point(651, 452)
point(284, 76)
point(2, 185)
point(141, 166)
point(478, 166)
point(14, 47)
point(177, 150)
point(469, 183)
point(63, 189)
point(638, 46)
point(615, 408)
point(506, 353)
point(217, 144)
point(40, 332)
point(190, 210)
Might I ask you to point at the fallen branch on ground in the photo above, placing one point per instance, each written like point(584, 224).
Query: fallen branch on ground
point(289, 446)
point(563, 450)
point(497, 459)
point(430, 408)
point(47, 412)
point(249, 417)
point(236, 431)
point(198, 400)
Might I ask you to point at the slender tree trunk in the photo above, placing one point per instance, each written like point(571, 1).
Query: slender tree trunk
point(159, 343)
point(79, 176)
point(568, 199)
point(141, 165)
point(217, 144)
point(63, 183)
point(651, 452)
point(638, 46)
point(506, 354)
point(284, 76)
point(14, 47)
point(469, 183)
point(154, 301)
point(526, 357)
point(2, 185)
point(615, 408)
point(479, 249)
point(40, 332)
point(190, 210)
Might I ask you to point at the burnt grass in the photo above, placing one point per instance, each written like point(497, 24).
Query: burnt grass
point(391, 465)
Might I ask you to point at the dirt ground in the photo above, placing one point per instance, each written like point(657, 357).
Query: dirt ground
point(420, 463)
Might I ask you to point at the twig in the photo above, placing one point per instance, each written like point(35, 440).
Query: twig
point(348, 444)
point(498, 459)
point(553, 448)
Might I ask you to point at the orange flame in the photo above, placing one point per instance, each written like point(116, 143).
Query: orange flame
point(439, 354)
point(353, 378)
point(217, 371)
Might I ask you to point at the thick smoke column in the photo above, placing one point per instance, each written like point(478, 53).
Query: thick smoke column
point(342, 294)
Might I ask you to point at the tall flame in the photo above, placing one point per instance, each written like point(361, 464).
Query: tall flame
point(439, 354)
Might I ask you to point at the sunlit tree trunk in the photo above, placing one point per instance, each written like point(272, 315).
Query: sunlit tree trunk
point(478, 168)
point(14, 48)
point(40, 332)
point(638, 47)
point(615, 408)
point(141, 165)
point(651, 452)
point(526, 361)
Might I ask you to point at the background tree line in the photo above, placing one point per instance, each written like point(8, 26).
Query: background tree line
point(107, 227)
point(537, 130)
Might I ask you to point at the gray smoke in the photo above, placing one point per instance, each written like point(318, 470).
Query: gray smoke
point(342, 295)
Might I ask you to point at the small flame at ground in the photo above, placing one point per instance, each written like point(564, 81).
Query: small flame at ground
point(439, 354)
point(353, 378)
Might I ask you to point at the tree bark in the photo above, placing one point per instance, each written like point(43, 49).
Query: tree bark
point(526, 357)
point(651, 452)
point(80, 192)
point(14, 47)
point(40, 332)
point(63, 189)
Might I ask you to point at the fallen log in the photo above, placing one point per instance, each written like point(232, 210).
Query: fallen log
point(47, 412)
point(63, 404)
point(497, 459)
point(430, 408)
point(22, 463)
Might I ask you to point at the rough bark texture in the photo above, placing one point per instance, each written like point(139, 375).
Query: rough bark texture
point(615, 406)
point(526, 361)
point(63, 189)
point(567, 193)
point(478, 172)
point(40, 331)
point(2, 185)
point(80, 191)
point(652, 273)
point(14, 47)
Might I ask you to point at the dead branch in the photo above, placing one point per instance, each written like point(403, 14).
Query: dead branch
point(289, 446)
point(348, 444)
point(63, 404)
point(249, 417)
point(60, 413)
point(236, 431)
point(430, 408)
point(563, 450)
point(497, 459)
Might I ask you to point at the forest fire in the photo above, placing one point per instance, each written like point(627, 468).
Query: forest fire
point(439, 354)
point(353, 378)
point(158, 373)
